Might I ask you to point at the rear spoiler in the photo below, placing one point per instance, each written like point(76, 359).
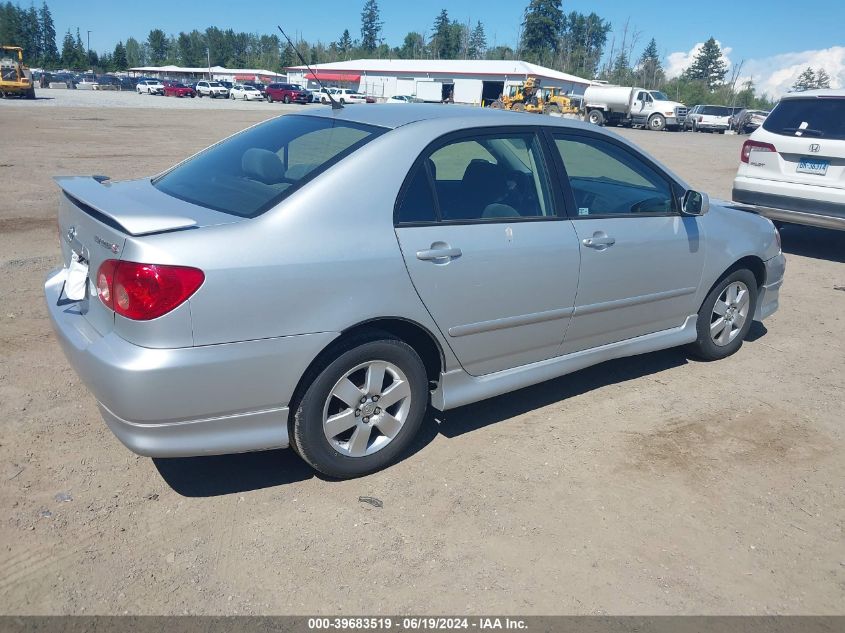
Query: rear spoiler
point(131, 207)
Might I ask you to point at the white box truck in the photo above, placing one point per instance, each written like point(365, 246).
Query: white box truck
point(629, 105)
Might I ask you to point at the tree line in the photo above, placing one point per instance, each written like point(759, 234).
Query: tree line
point(573, 42)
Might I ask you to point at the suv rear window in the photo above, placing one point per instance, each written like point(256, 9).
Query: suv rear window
point(251, 172)
point(715, 111)
point(813, 117)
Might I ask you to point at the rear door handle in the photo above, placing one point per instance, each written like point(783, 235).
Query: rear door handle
point(434, 254)
point(598, 242)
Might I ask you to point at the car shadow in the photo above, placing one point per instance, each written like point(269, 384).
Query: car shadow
point(809, 241)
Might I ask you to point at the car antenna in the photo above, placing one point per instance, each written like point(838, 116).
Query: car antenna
point(335, 104)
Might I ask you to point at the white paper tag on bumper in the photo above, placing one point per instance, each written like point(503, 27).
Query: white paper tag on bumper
point(77, 278)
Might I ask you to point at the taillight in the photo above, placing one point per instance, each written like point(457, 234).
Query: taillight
point(754, 146)
point(145, 291)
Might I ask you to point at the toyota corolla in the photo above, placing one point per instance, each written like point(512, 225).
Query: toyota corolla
point(320, 279)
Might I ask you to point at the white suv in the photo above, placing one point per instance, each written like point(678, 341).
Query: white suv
point(792, 167)
point(150, 87)
point(211, 89)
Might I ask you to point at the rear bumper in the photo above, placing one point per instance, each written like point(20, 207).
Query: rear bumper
point(205, 400)
point(773, 200)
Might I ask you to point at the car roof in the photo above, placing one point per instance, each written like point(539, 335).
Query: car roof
point(394, 115)
point(825, 92)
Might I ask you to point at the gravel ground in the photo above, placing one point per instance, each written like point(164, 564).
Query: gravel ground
point(648, 485)
point(52, 98)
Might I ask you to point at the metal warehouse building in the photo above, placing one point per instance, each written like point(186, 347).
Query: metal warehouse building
point(215, 72)
point(462, 80)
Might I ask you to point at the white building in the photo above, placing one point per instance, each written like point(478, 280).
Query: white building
point(218, 73)
point(463, 80)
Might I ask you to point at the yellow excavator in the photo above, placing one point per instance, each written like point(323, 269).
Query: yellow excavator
point(530, 97)
point(15, 77)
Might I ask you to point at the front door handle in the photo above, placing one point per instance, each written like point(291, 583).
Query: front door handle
point(438, 253)
point(599, 242)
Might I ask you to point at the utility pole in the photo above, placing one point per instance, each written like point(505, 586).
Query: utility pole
point(208, 57)
point(88, 53)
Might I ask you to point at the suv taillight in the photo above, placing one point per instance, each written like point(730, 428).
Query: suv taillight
point(145, 291)
point(754, 146)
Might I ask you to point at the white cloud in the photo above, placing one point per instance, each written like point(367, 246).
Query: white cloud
point(678, 62)
point(774, 75)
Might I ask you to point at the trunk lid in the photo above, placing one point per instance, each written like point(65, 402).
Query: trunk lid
point(97, 218)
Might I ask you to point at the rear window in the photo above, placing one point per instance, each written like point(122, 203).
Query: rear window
point(814, 117)
point(251, 172)
point(715, 111)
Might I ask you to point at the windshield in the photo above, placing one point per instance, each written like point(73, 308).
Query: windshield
point(251, 172)
point(716, 110)
point(659, 95)
point(295, 87)
point(813, 117)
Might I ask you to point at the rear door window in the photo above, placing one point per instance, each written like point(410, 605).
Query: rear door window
point(251, 172)
point(812, 117)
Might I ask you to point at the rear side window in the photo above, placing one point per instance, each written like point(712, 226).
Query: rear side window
point(812, 117)
point(251, 172)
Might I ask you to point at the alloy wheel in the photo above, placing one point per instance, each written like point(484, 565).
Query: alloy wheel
point(730, 313)
point(367, 408)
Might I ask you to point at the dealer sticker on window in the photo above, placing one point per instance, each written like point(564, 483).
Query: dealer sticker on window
point(812, 166)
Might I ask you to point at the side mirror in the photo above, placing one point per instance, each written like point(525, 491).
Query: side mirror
point(695, 203)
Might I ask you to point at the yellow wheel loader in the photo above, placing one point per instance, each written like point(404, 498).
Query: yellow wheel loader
point(15, 77)
point(530, 97)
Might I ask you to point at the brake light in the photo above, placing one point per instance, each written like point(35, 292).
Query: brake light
point(145, 291)
point(754, 146)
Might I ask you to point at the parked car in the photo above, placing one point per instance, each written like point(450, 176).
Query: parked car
point(176, 89)
point(792, 167)
point(746, 121)
point(345, 95)
point(313, 96)
point(150, 87)
point(211, 89)
point(324, 94)
point(287, 93)
point(708, 118)
point(400, 99)
point(245, 92)
point(485, 273)
point(227, 84)
point(260, 87)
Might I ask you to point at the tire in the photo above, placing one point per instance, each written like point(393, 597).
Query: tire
point(287, 99)
point(342, 101)
point(375, 448)
point(657, 123)
point(497, 105)
point(715, 342)
point(596, 117)
point(552, 109)
point(518, 107)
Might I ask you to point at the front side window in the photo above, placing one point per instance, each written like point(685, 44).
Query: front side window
point(607, 179)
point(249, 173)
point(491, 177)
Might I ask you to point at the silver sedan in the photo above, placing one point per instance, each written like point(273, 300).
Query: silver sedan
point(320, 279)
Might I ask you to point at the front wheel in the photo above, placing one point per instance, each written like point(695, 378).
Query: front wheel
point(657, 122)
point(362, 409)
point(726, 316)
point(287, 99)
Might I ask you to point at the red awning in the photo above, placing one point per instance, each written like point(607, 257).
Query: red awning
point(326, 76)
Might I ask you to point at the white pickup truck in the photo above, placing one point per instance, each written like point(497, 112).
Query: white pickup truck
point(629, 105)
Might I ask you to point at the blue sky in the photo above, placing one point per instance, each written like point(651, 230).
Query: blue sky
point(752, 30)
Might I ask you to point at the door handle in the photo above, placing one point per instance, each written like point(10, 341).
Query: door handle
point(598, 242)
point(434, 254)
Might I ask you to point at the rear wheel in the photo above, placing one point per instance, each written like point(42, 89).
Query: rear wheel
point(596, 117)
point(726, 316)
point(518, 107)
point(287, 99)
point(363, 408)
point(497, 105)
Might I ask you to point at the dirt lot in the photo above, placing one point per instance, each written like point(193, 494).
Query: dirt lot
point(649, 485)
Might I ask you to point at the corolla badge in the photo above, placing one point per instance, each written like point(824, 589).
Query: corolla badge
point(815, 147)
point(112, 247)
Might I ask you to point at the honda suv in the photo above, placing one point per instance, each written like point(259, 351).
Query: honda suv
point(792, 167)
point(287, 93)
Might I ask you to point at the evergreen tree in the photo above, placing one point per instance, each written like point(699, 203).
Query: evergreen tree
point(447, 38)
point(806, 81)
point(370, 26)
point(344, 44)
point(47, 31)
point(822, 78)
point(80, 55)
point(157, 42)
point(650, 74)
point(31, 32)
point(412, 47)
point(477, 42)
point(118, 58)
point(134, 54)
point(708, 65)
point(68, 51)
point(541, 29)
point(582, 42)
